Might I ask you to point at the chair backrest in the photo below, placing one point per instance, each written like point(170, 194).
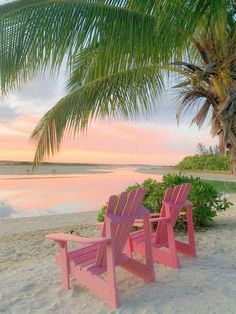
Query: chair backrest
point(124, 205)
point(175, 196)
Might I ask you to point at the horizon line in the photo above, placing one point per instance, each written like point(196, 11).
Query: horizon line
point(9, 162)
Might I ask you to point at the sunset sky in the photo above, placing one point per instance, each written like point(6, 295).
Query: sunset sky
point(155, 140)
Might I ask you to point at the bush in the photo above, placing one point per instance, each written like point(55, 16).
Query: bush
point(207, 202)
point(100, 217)
point(206, 162)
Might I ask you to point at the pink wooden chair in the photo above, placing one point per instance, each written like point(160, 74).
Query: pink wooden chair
point(101, 255)
point(164, 244)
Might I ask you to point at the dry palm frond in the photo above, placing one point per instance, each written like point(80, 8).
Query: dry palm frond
point(202, 114)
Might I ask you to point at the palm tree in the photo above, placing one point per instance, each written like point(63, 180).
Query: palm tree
point(119, 55)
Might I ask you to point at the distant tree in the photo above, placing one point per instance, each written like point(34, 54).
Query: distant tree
point(200, 149)
point(214, 150)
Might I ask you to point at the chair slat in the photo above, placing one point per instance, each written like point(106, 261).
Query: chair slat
point(176, 195)
point(111, 207)
point(134, 200)
point(125, 205)
point(161, 231)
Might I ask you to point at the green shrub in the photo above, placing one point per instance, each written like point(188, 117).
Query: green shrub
point(206, 162)
point(100, 217)
point(207, 202)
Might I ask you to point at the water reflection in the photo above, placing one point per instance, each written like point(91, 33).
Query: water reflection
point(34, 195)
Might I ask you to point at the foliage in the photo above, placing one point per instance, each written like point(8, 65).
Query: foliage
point(206, 159)
point(116, 54)
point(211, 150)
point(101, 214)
point(207, 202)
point(205, 162)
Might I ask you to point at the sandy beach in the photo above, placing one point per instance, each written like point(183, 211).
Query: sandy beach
point(30, 282)
point(102, 103)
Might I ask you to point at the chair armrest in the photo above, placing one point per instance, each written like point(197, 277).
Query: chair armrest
point(138, 224)
point(139, 221)
point(64, 237)
point(99, 224)
point(154, 215)
point(167, 218)
point(187, 203)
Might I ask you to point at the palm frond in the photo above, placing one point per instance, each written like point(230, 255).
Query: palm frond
point(183, 84)
point(38, 34)
point(202, 114)
point(127, 93)
point(178, 23)
point(188, 100)
point(190, 66)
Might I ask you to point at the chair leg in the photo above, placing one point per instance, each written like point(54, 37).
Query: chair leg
point(64, 265)
point(128, 247)
point(112, 293)
point(172, 254)
point(188, 249)
point(148, 248)
point(191, 237)
point(173, 257)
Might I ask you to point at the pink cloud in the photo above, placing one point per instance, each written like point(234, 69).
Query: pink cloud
point(108, 142)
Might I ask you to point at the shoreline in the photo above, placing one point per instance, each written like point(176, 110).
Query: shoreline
point(215, 176)
point(8, 172)
point(50, 169)
point(20, 225)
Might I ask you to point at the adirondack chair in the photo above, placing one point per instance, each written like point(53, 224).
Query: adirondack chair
point(102, 255)
point(164, 244)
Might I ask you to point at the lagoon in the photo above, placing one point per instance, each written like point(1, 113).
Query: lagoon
point(29, 195)
point(71, 189)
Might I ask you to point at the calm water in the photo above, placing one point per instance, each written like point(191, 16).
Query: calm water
point(224, 186)
point(36, 195)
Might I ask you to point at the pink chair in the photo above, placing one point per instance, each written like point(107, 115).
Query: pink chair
point(164, 244)
point(102, 255)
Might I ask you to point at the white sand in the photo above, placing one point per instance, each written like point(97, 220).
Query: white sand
point(30, 281)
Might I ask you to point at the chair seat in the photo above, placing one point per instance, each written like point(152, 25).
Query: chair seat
point(85, 259)
point(138, 237)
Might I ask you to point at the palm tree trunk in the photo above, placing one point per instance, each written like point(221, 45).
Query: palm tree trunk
point(232, 137)
point(233, 152)
point(227, 134)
